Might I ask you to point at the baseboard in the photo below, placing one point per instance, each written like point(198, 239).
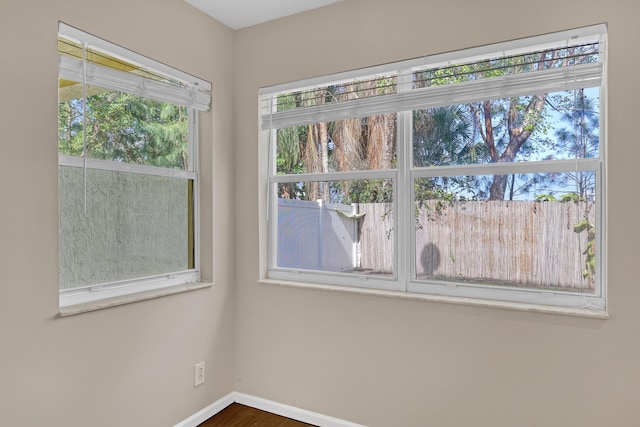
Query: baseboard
point(266, 405)
point(292, 412)
point(208, 412)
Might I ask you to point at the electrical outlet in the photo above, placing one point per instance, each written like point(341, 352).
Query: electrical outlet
point(198, 374)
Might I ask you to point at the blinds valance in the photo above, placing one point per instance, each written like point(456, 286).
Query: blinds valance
point(83, 58)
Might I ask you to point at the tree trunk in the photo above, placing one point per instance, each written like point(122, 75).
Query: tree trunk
point(498, 187)
point(518, 135)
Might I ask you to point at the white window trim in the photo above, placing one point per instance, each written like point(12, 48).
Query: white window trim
point(92, 293)
point(402, 284)
point(106, 165)
point(195, 97)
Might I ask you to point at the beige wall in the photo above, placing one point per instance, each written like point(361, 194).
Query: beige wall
point(131, 365)
point(373, 360)
point(388, 362)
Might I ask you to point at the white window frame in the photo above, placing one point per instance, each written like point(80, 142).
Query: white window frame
point(403, 102)
point(194, 93)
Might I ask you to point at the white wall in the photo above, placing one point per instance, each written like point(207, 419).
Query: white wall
point(389, 362)
point(131, 365)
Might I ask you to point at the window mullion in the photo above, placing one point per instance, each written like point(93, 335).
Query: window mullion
point(334, 176)
point(271, 195)
point(405, 249)
point(568, 165)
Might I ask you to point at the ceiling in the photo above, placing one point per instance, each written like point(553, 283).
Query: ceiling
point(239, 14)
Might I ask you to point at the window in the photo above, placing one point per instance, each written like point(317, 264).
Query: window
point(127, 170)
point(472, 174)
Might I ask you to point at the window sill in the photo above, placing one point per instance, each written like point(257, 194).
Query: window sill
point(578, 312)
point(74, 309)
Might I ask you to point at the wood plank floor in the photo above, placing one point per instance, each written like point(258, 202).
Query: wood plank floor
point(236, 415)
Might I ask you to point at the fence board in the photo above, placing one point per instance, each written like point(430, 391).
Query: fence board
point(377, 238)
point(528, 243)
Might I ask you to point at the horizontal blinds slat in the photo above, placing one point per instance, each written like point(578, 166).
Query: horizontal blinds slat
point(551, 80)
point(109, 78)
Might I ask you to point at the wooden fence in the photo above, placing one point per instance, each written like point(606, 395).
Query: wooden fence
point(528, 243)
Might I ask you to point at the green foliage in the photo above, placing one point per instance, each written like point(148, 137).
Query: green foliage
point(584, 225)
point(369, 191)
point(567, 197)
point(572, 197)
point(289, 140)
point(289, 160)
point(590, 249)
point(125, 128)
point(545, 198)
point(444, 136)
point(425, 190)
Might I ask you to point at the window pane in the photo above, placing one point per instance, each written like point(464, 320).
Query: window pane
point(553, 126)
point(356, 144)
point(134, 226)
point(122, 127)
point(351, 232)
point(543, 238)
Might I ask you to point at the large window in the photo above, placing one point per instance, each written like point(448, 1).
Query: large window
point(127, 170)
point(473, 174)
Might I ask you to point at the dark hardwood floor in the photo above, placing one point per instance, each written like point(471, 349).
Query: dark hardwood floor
point(236, 415)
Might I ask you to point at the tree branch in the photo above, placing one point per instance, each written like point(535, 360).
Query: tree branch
point(518, 135)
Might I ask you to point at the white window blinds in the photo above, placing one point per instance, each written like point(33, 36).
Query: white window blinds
point(561, 61)
point(105, 67)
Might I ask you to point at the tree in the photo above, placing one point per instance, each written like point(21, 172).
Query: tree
point(520, 125)
point(580, 140)
point(508, 128)
point(496, 130)
point(344, 145)
point(443, 136)
point(125, 128)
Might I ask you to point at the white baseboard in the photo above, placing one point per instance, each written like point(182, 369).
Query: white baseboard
point(208, 412)
point(266, 405)
point(292, 412)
